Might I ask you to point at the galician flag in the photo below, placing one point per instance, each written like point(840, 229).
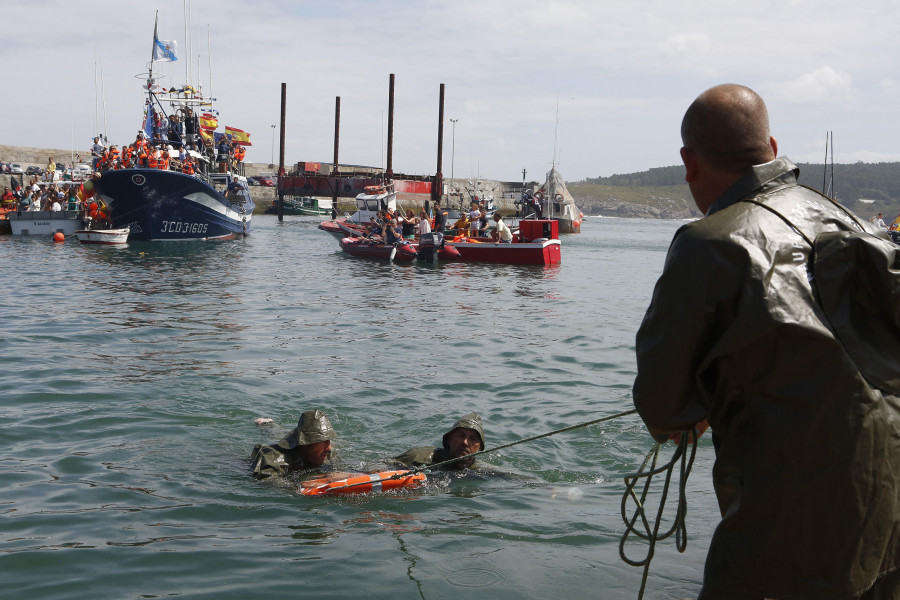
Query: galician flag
point(163, 50)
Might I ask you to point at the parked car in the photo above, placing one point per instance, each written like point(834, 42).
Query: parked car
point(34, 170)
point(81, 171)
point(15, 168)
point(253, 181)
point(266, 181)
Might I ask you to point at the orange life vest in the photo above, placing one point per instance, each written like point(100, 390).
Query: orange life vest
point(153, 160)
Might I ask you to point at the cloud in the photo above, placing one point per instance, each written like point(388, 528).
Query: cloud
point(824, 85)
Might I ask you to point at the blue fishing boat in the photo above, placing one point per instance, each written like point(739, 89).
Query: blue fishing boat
point(159, 204)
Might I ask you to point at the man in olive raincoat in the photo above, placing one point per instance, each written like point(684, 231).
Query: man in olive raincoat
point(464, 438)
point(807, 442)
point(307, 446)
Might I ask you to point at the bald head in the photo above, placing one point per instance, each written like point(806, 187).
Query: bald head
point(728, 127)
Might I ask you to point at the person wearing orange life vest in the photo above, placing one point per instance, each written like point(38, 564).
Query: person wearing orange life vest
point(188, 167)
point(127, 154)
point(166, 157)
point(111, 157)
point(153, 156)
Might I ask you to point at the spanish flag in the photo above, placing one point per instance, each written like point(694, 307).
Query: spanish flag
point(238, 136)
point(208, 122)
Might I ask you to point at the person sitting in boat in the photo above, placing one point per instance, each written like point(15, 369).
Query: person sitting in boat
point(392, 234)
point(502, 233)
point(8, 197)
point(464, 438)
point(462, 225)
point(307, 446)
point(408, 225)
point(424, 224)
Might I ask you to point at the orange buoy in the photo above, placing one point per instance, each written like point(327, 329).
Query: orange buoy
point(363, 483)
point(59, 236)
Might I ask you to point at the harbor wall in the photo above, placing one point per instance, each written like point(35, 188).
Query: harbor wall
point(264, 196)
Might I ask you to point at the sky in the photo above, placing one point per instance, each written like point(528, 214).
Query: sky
point(597, 86)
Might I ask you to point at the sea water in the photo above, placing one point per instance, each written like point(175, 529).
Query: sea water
point(132, 377)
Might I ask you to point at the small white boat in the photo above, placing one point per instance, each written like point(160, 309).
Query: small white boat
point(103, 236)
point(45, 222)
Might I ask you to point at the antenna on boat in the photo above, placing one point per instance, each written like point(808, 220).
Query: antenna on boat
point(209, 58)
point(556, 128)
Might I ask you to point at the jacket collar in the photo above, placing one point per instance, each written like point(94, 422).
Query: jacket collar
point(757, 178)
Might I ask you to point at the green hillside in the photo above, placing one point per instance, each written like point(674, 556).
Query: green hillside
point(866, 188)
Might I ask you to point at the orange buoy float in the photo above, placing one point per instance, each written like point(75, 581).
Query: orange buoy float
point(363, 483)
point(59, 236)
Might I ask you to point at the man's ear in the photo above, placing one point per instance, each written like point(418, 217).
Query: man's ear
point(774, 144)
point(689, 158)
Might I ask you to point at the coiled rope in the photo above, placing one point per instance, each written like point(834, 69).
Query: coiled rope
point(646, 531)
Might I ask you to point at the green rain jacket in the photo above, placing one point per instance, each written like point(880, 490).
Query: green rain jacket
point(429, 455)
point(285, 455)
point(807, 469)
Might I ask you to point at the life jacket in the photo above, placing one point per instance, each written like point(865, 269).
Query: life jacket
point(153, 160)
point(164, 162)
point(188, 168)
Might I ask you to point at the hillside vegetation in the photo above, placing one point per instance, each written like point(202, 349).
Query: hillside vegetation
point(866, 188)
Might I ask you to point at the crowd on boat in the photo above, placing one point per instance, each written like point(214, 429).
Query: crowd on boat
point(167, 154)
point(395, 226)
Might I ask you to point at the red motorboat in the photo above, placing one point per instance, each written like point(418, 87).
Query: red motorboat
point(366, 248)
point(537, 243)
point(428, 250)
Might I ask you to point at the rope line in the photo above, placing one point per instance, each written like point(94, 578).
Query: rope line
point(428, 468)
point(649, 533)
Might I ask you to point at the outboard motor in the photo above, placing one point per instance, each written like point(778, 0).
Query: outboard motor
point(429, 246)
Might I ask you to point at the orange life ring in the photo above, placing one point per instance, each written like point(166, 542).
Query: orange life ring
point(362, 483)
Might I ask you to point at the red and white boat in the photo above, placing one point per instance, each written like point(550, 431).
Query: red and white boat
point(107, 237)
point(537, 243)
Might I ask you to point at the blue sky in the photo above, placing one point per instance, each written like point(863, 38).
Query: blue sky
point(621, 74)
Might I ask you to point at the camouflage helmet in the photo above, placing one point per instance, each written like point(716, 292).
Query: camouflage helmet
point(469, 421)
point(312, 427)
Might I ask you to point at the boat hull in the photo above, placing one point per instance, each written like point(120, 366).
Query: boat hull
point(45, 222)
point(544, 252)
point(106, 237)
point(368, 249)
point(169, 206)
